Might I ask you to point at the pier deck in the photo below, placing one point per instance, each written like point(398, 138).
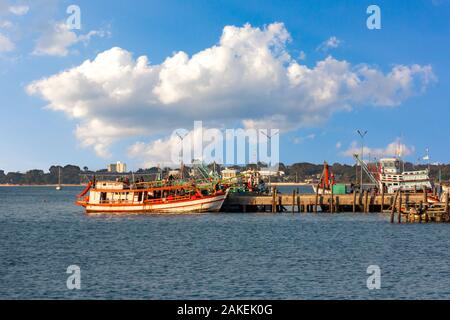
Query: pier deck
point(413, 206)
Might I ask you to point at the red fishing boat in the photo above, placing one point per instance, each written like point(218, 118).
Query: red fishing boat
point(120, 197)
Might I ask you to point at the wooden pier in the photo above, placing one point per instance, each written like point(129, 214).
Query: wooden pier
point(414, 207)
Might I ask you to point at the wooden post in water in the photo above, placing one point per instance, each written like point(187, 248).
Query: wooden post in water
point(361, 201)
point(293, 201)
point(337, 204)
point(394, 203)
point(407, 202)
point(331, 201)
point(382, 198)
point(280, 205)
point(274, 195)
point(317, 198)
point(366, 196)
point(299, 209)
point(399, 220)
point(354, 201)
point(446, 202)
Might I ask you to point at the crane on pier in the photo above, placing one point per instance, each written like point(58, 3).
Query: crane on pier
point(366, 169)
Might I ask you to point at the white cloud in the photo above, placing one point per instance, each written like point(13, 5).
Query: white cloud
point(248, 77)
point(19, 10)
point(302, 55)
point(338, 145)
point(6, 44)
point(395, 148)
point(157, 152)
point(5, 24)
point(331, 43)
point(298, 140)
point(58, 40)
point(100, 135)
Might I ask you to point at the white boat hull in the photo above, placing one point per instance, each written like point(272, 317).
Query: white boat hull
point(208, 204)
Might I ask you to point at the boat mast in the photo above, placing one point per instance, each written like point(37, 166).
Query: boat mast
point(362, 135)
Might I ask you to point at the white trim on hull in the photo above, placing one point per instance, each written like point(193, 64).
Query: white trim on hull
point(209, 204)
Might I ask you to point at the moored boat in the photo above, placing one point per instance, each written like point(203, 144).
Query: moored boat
point(390, 176)
point(119, 197)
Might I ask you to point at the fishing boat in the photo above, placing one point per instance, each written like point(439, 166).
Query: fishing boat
point(392, 177)
point(387, 173)
point(120, 197)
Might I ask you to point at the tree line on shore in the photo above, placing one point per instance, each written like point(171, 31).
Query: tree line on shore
point(297, 172)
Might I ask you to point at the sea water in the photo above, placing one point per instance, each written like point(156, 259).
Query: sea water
point(212, 256)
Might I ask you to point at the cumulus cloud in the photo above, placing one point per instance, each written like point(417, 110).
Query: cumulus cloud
point(100, 135)
point(298, 140)
point(6, 44)
point(302, 55)
point(228, 146)
point(166, 151)
point(5, 24)
point(331, 43)
point(248, 77)
point(395, 148)
point(58, 40)
point(19, 10)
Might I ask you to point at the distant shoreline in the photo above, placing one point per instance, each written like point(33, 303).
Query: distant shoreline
point(41, 185)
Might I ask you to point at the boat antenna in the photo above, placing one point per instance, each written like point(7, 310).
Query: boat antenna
point(181, 154)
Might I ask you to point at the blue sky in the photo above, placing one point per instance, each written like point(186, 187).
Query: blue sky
point(412, 33)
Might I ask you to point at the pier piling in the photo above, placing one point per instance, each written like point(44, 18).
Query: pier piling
point(402, 202)
point(446, 203)
point(317, 198)
point(331, 201)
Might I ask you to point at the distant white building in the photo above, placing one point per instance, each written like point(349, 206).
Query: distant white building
point(175, 173)
point(118, 167)
point(229, 173)
point(271, 173)
point(264, 173)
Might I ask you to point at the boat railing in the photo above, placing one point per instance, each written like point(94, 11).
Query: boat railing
point(146, 201)
point(114, 201)
point(168, 199)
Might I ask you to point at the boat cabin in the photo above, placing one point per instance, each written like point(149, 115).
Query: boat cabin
point(393, 177)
